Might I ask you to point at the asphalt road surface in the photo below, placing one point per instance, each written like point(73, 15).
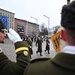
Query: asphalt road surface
point(9, 49)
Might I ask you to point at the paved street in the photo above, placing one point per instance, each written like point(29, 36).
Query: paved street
point(45, 54)
point(9, 49)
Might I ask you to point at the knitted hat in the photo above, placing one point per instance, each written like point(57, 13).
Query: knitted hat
point(68, 16)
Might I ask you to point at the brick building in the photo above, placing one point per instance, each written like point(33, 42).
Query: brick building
point(20, 26)
point(25, 28)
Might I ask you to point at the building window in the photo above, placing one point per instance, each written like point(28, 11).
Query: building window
point(20, 29)
point(0, 13)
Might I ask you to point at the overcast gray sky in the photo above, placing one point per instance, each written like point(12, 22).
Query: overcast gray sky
point(24, 9)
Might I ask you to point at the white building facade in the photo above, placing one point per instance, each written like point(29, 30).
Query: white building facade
point(10, 17)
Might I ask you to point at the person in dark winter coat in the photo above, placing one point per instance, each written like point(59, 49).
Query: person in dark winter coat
point(39, 43)
point(8, 67)
point(64, 62)
point(29, 41)
point(47, 46)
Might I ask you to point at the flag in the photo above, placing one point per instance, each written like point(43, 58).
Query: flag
point(56, 41)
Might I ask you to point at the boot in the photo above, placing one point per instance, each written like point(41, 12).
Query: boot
point(40, 54)
point(45, 50)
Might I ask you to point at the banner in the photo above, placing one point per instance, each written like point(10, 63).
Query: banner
point(4, 20)
point(56, 41)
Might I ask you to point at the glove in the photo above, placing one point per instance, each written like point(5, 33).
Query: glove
point(13, 36)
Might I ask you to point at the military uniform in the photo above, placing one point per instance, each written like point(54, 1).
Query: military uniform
point(61, 64)
point(8, 67)
point(47, 46)
point(39, 42)
point(30, 47)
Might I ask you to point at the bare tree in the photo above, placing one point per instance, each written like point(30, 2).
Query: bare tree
point(44, 30)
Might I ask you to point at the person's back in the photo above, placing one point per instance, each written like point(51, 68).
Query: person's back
point(64, 62)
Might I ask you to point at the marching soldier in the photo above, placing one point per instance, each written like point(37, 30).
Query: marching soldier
point(47, 46)
point(39, 43)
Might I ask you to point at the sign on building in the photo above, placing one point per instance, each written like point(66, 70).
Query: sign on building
point(20, 29)
point(4, 20)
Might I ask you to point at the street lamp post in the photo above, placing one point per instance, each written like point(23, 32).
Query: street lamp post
point(36, 26)
point(48, 23)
